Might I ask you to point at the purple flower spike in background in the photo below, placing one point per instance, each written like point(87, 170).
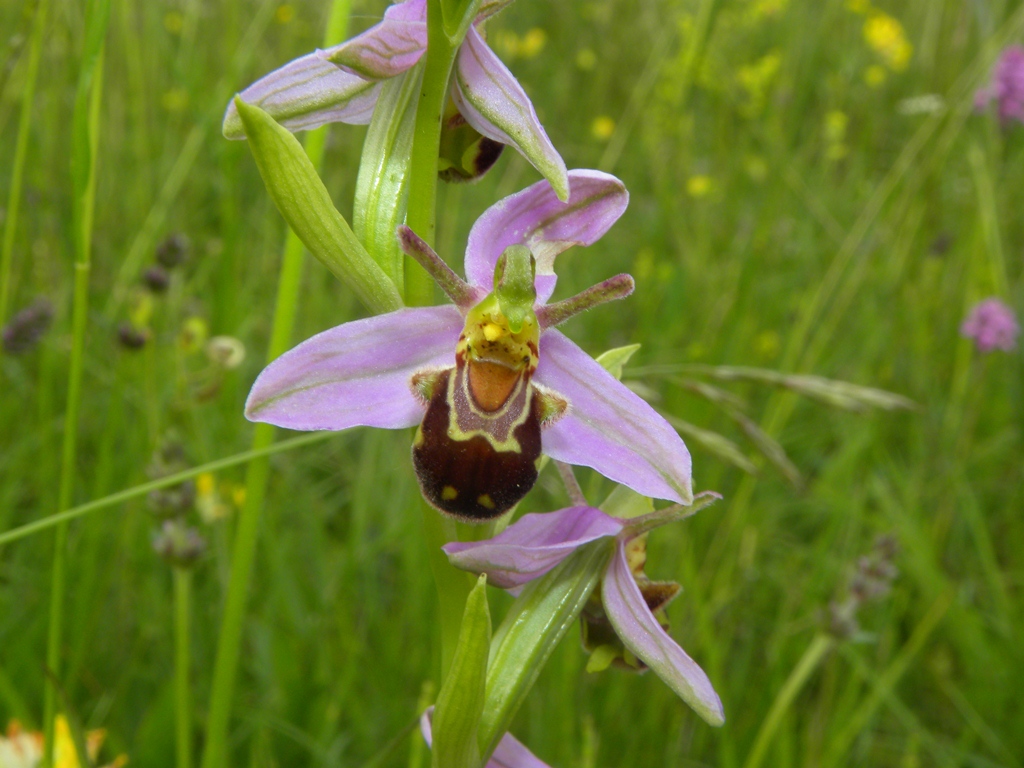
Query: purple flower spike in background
point(992, 325)
point(538, 542)
point(341, 85)
point(492, 368)
point(1007, 87)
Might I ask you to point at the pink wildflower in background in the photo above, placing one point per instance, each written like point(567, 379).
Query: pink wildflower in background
point(992, 325)
point(1007, 86)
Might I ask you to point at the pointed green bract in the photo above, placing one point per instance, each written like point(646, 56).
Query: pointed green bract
point(513, 285)
point(461, 700)
point(534, 625)
point(382, 187)
point(613, 360)
point(305, 204)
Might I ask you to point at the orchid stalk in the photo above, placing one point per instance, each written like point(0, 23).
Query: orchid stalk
point(487, 380)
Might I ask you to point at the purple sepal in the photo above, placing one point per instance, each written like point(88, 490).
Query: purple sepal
point(536, 218)
point(307, 93)
point(357, 374)
point(510, 752)
point(609, 427)
point(533, 546)
point(643, 635)
point(493, 102)
point(386, 49)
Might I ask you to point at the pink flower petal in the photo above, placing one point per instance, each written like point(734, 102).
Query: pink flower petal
point(642, 634)
point(307, 93)
point(536, 218)
point(534, 545)
point(386, 49)
point(357, 374)
point(493, 102)
point(608, 427)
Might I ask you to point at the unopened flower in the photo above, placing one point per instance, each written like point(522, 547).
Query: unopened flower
point(178, 543)
point(225, 352)
point(483, 377)
point(173, 250)
point(131, 337)
point(870, 580)
point(342, 84)
point(156, 279)
point(28, 327)
point(538, 542)
point(1007, 87)
point(992, 325)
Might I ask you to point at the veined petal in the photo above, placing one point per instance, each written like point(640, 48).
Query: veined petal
point(533, 545)
point(357, 374)
point(307, 93)
point(510, 752)
point(493, 102)
point(641, 633)
point(536, 218)
point(610, 428)
point(386, 49)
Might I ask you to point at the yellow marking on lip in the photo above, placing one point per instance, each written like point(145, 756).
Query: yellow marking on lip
point(448, 493)
point(485, 500)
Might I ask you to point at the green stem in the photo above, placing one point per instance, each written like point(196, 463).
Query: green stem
point(422, 212)
point(225, 671)
point(155, 485)
point(453, 585)
point(182, 689)
point(85, 138)
point(20, 152)
point(812, 657)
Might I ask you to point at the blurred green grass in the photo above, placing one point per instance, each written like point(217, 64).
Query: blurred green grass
point(759, 234)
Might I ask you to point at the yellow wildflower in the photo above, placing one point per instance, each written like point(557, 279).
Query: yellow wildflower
point(886, 36)
point(174, 22)
point(284, 13)
point(699, 186)
point(756, 79)
point(767, 344)
point(174, 99)
point(603, 127)
point(586, 59)
point(835, 134)
point(209, 503)
point(532, 43)
point(874, 75)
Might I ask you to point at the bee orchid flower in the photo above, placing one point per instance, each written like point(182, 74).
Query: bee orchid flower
point(341, 85)
point(629, 602)
point(489, 380)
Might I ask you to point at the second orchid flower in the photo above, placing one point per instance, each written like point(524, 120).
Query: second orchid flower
point(342, 84)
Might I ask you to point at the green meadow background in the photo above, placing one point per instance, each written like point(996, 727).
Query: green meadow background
point(806, 198)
